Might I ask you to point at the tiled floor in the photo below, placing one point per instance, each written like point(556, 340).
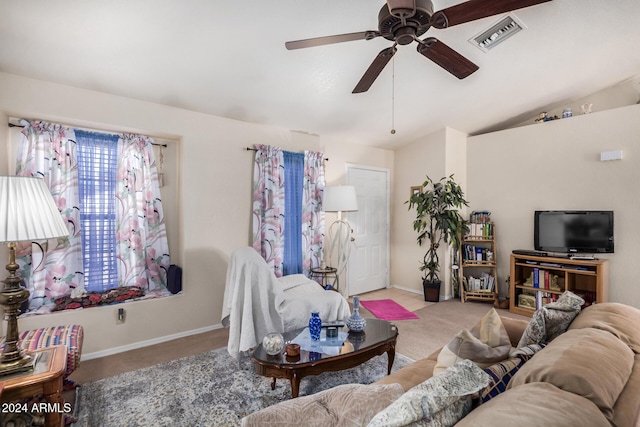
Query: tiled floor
point(409, 300)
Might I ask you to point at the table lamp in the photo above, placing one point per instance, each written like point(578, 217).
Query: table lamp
point(27, 213)
point(340, 198)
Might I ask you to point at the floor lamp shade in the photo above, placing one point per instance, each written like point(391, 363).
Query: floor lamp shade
point(27, 213)
point(341, 198)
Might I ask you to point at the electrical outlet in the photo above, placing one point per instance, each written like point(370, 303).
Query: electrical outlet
point(121, 316)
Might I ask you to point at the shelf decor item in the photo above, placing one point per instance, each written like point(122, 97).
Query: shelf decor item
point(315, 326)
point(273, 343)
point(437, 220)
point(355, 322)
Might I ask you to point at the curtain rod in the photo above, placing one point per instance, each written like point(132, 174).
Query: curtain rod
point(326, 159)
point(12, 125)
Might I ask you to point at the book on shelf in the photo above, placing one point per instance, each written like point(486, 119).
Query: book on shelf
point(480, 231)
point(476, 253)
point(485, 283)
point(480, 217)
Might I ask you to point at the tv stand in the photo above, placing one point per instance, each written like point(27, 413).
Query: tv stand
point(587, 278)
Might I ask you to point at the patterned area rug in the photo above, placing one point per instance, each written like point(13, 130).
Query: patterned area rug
point(209, 389)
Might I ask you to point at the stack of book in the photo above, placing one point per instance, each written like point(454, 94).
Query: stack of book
point(485, 283)
point(476, 253)
point(480, 217)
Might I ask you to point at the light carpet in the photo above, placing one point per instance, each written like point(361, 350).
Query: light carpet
point(209, 389)
point(388, 309)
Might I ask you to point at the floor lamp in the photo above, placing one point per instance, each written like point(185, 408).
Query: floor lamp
point(341, 198)
point(27, 213)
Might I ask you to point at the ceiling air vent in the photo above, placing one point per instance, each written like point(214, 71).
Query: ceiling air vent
point(498, 33)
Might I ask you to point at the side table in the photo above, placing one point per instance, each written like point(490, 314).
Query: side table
point(44, 380)
point(327, 277)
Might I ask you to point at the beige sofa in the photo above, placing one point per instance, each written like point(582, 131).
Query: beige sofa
point(587, 376)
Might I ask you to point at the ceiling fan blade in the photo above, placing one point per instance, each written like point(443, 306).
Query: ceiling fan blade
point(447, 58)
point(320, 41)
point(477, 9)
point(375, 69)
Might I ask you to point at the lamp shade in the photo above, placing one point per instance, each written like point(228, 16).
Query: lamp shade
point(28, 211)
point(341, 198)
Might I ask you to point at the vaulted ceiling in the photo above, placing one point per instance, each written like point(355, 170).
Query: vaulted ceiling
point(228, 59)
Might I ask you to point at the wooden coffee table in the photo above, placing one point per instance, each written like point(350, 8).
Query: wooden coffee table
point(379, 337)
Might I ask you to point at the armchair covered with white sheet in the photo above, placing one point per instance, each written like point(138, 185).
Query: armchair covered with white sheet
point(256, 302)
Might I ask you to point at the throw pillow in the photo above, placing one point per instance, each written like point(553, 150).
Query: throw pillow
point(502, 372)
point(485, 344)
point(442, 400)
point(348, 405)
point(552, 319)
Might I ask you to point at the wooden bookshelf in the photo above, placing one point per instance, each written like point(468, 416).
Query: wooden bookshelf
point(588, 279)
point(478, 266)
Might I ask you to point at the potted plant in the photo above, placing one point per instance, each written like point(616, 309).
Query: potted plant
point(437, 220)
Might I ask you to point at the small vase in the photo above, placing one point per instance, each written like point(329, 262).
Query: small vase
point(315, 326)
point(356, 322)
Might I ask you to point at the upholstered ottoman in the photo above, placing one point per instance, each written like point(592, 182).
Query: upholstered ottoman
point(68, 335)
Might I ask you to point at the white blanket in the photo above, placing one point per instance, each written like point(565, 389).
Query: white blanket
point(256, 302)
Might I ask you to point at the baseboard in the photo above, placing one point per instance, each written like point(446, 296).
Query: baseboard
point(413, 291)
point(402, 288)
point(146, 343)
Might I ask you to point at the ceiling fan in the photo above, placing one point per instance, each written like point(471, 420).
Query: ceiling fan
point(403, 21)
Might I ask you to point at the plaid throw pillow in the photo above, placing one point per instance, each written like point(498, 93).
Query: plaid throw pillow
point(502, 372)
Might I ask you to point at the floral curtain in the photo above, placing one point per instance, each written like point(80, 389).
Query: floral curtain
point(268, 205)
point(48, 151)
point(312, 214)
point(141, 238)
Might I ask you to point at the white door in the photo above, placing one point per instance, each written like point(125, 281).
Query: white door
point(368, 268)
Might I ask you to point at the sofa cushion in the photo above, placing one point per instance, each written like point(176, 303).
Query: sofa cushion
point(441, 400)
point(485, 344)
point(627, 409)
point(619, 319)
point(348, 405)
point(588, 362)
point(552, 319)
point(538, 404)
point(411, 375)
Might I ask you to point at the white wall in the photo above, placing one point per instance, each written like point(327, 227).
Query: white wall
point(438, 155)
point(555, 165)
point(214, 200)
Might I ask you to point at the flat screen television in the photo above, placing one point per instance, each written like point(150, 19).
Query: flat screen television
point(573, 231)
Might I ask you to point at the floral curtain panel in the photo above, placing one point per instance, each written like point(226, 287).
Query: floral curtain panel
point(50, 151)
point(142, 246)
point(268, 205)
point(312, 214)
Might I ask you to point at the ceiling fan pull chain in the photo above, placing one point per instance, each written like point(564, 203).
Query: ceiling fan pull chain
point(393, 96)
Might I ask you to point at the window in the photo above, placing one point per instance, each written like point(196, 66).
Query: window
point(97, 166)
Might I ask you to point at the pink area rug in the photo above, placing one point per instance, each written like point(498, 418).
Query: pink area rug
point(388, 309)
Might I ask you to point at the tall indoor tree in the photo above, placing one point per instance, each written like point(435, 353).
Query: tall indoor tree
point(438, 220)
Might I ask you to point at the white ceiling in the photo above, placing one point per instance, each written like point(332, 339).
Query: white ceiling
point(228, 59)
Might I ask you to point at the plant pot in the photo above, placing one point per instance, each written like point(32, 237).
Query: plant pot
point(431, 290)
